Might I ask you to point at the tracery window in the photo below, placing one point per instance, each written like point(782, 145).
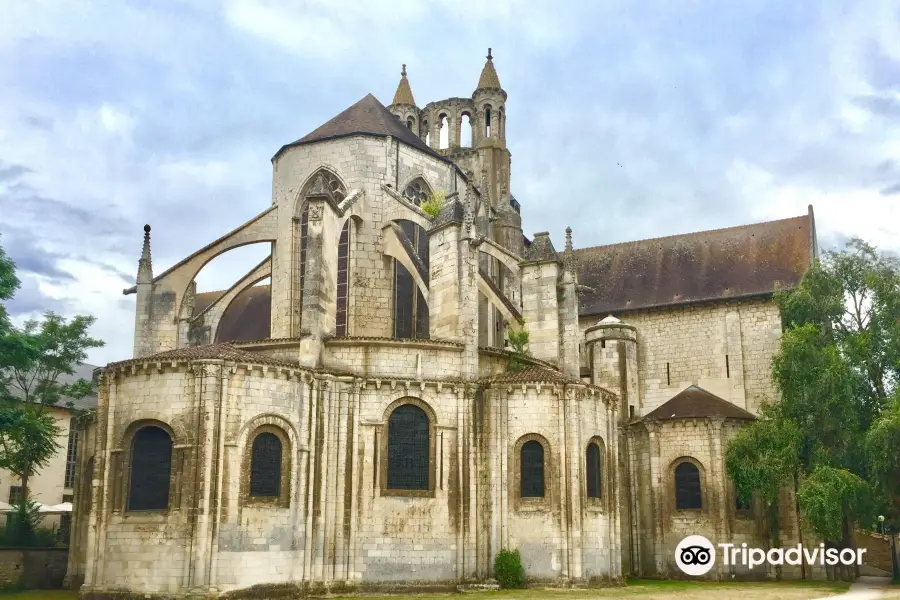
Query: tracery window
point(343, 280)
point(151, 469)
point(408, 447)
point(410, 308)
point(265, 466)
point(532, 465)
point(417, 191)
point(687, 487)
point(594, 471)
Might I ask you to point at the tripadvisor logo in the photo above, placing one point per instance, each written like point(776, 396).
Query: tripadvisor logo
point(695, 555)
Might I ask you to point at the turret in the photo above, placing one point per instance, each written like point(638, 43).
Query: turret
point(612, 351)
point(490, 107)
point(404, 105)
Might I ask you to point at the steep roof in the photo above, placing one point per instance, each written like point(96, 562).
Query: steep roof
point(404, 94)
point(695, 402)
point(489, 79)
point(737, 262)
point(366, 117)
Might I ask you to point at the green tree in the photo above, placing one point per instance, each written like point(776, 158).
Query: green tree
point(763, 458)
point(33, 359)
point(836, 368)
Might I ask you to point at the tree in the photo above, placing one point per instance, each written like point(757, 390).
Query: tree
point(32, 360)
point(836, 368)
point(763, 458)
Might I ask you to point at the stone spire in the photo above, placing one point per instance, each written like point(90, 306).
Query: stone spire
point(404, 94)
point(489, 79)
point(569, 256)
point(145, 264)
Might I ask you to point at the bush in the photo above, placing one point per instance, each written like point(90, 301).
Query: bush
point(435, 202)
point(508, 570)
point(518, 342)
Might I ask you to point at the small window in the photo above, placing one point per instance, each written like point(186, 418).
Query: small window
point(151, 469)
point(532, 459)
point(265, 466)
point(687, 487)
point(593, 472)
point(740, 504)
point(408, 449)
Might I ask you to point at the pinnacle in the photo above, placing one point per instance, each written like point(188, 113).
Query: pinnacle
point(404, 94)
point(489, 77)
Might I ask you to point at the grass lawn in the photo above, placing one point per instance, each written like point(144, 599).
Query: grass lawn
point(644, 590)
point(657, 590)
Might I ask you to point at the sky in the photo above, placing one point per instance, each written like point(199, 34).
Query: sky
point(625, 121)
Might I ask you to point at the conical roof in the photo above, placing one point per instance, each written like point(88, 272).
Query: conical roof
point(696, 403)
point(366, 117)
point(404, 94)
point(489, 77)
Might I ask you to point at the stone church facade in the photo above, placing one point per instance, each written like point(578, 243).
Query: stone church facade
point(359, 421)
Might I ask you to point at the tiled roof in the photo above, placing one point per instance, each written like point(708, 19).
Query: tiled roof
point(695, 402)
point(366, 117)
point(709, 265)
point(224, 351)
point(532, 374)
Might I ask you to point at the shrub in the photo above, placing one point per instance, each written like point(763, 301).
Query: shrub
point(508, 570)
point(435, 202)
point(518, 343)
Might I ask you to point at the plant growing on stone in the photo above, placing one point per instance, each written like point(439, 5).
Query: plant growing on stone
point(508, 569)
point(435, 202)
point(518, 343)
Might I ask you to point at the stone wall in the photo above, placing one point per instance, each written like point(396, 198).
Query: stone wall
point(688, 345)
point(33, 568)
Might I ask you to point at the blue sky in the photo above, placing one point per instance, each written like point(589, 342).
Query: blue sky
point(625, 120)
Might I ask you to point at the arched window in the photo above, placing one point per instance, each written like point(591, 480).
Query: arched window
point(151, 469)
point(343, 280)
point(411, 123)
point(593, 471)
point(265, 466)
point(500, 123)
point(408, 448)
point(334, 185)
point(445, 132)
point(487, 121)
point(410, 308)
point(466, 131)
point(687, 486)
point(532, 464)
point(417, 191)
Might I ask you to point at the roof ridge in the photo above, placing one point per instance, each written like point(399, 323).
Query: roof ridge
point(691, 233)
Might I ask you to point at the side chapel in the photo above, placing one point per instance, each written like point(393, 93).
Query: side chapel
point(345, 415)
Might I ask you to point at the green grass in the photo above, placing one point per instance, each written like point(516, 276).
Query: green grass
point(40, 595)
point(650, 589)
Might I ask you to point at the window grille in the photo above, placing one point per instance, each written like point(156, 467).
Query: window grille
point(593, 471)
point(71, 455)
point(343, 280)
point(417, 191)
point(151, 469)
point(532, 484)
point(265, 466)
point(408, 449)
point(687, 486)
point(15, 494)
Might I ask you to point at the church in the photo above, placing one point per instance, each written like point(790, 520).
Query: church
point(352, 415)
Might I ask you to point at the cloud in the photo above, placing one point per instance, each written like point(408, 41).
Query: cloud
point(624, 121)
